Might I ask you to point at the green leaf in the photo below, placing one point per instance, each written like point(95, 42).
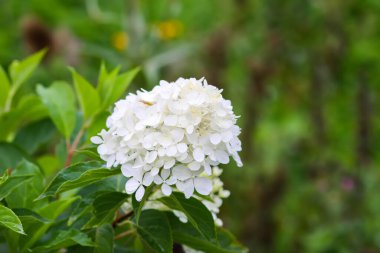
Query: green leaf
point(10, 220)
point(137, 206)
point(10, 156)
point(29, 109)
point(87, 95)
point(34, 135)
point(26, 215)
point(185, 233)
point(78, 175)
point(20, 71)
point(154, 229)
point(23, 196)
point(103, 74)
point(4, 87)
point(60, 101)
point(121, 84)
point(198, 215)
point(105, 206)
point(36, 228)
point(105, 88)
point(104, 239)
point(65, 239)
point(12, 183)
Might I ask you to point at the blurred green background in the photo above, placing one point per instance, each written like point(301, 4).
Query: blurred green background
point(303, 75)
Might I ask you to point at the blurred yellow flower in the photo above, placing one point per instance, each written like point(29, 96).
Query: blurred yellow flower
point(120, 41)
point(170, 29)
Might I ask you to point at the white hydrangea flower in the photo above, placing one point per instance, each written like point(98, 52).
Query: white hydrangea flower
point(212, 203)
point(171, 136)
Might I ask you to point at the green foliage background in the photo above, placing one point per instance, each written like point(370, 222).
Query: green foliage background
point(302, 74)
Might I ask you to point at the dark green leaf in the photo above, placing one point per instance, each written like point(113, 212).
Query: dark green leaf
point(10, 156)
point(104, 239)
point(198, 215)
point(60, 101)
point(32, 136)
point(154, 229)
point(137, 206)
point(23, 196)
point(186, 234)
point(78, 175)
point(10, 220)
point(65, 239)
point(12, 183)
point(105, 206)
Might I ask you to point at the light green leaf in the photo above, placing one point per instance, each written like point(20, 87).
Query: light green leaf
point(4, 87)
point(65, 239)
point(198, 215)
point(154, 229)
point(10, 220)
point(103, 73)
point(120, 86)
point(87, 95)
point(78, 175)
point(105, 206)
point(60, 101)
point(21, 70)
point(104, 239)
point(28, 109)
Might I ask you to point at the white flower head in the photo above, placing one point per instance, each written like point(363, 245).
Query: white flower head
point(171, 136)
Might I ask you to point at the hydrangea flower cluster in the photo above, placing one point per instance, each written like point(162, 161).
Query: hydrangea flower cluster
point(171, 136)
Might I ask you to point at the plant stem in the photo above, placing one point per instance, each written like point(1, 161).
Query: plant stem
point(72, 147)
point(122, 218)
point(124, 234)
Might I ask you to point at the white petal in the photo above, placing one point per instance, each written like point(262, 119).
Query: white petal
point(102, 149)
point(198, 155)
point(157, 180)
point(166, 189)
point(150, 156)
point(190, 129)
point(170, 163)
point(215, 139)
point(207, 168)
point(222, 156)
point(140, 193)
point(165, 174)
point(170, 120)
point(154, 171)
point(182, 147)
point(171, 151)
point(194, 166)
point(188, 188)
point(171, 181)
point(148, 179)
point(126, 169)
point(181, 172)
point(203, 185)
point(96, 140)
point(131, 185)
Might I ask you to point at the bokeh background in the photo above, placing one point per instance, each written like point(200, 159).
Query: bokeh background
point(303, 74)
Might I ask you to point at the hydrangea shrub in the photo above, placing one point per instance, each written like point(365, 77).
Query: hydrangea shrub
point(84, 170)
